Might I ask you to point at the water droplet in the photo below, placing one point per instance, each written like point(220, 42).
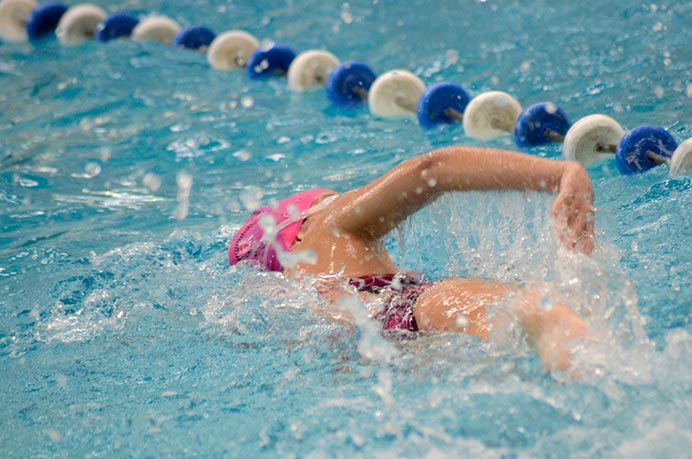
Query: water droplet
point(92, 169)
point(105, 154)
point(296, 431)
point(251, 197)
point(546, 302)
point(184, 182)
point(325, 137)
point(152, 181)
point(462, 321)
point(452, 56)
point(242, 155)
point(61, 380)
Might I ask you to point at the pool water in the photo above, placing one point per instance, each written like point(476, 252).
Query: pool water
point(125, 168)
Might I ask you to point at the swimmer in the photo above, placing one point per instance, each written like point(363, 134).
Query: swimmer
point(344, 233)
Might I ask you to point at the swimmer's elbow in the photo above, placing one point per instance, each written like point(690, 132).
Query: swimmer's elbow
point(430, 167)
point(442, 171)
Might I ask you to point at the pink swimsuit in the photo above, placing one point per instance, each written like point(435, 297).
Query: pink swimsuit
point(399, 306)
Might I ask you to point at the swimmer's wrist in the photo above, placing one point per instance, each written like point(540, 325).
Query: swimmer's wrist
point(575, 179)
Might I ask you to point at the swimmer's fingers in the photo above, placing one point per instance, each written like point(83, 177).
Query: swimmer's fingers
point(582, 232)
point(574, 221)
point(573, 209)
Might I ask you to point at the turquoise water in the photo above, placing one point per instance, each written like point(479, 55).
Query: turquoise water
point(125, 168)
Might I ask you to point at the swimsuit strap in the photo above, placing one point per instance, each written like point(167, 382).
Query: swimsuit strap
point(375, 283)
point(369, 283)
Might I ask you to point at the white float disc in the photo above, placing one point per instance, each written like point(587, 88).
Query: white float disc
point(395, 94)
point(586, 135)
point(156, 28)
point(491, 114)
point(79, 23)
point(13, 18)
point(231, 50)
point(310, 68)
point(681, 162)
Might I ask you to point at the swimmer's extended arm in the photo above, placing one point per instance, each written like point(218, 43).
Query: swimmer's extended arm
point(374, 209)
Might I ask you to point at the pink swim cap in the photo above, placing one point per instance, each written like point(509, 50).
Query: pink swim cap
point(248, 242)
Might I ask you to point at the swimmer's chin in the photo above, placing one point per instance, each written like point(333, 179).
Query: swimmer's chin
point(292, 261)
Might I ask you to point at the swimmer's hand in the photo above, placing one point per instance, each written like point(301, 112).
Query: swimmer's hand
point(572, 210)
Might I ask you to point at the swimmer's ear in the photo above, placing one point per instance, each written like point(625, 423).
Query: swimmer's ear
point(304, 227)
point(301, 232)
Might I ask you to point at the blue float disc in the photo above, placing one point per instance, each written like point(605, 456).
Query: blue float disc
point(116, 25)
point(345, 78)
point(434, 102)
point(530, 128)
point(193, 37)
point(631, 153)
point(44, 19)
point(270, 61)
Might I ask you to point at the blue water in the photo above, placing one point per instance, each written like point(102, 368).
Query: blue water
point(125, 168)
